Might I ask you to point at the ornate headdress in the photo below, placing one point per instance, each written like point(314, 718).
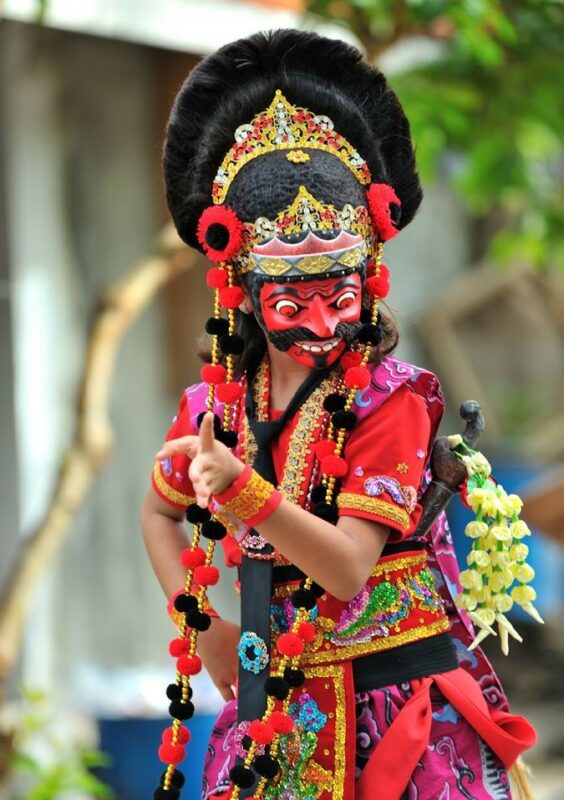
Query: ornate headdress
point(287, 157)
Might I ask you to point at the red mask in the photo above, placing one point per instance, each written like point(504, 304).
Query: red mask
point(302, 317)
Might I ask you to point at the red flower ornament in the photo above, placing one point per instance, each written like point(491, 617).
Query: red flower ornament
point(220, 232)
point(380, 196)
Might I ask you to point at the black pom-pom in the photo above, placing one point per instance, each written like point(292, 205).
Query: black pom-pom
point(217, 236)
point(213, 530)
point(216, 421)
point(217, 326)
point(195, 514)
point(295, 677)
point(181, 710)
point(370, 334)
point(344, 419)
point(317, 590)
point(232, 344)
point(186, 603)
point(243, 777)
point(266, 766)
point(177, 778)
point(246, 742)
point(318, 493)
point(277, 687)
point(172, 793)
point(327, 511)
point(174, 691)
point(229, 438)
point(303, 598)
point(198, 620)
point(334, 402)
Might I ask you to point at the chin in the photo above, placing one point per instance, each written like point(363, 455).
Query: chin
point(317, 360)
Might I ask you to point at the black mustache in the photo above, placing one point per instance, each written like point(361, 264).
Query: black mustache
point(283, 340)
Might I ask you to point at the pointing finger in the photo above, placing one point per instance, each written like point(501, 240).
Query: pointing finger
point(207, 438)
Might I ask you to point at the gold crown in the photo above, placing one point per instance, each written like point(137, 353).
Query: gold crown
point(283, 126)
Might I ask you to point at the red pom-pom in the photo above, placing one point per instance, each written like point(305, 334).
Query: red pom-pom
point(334, 465)
point(379, 197)
point(171, 753)
point(206, 575)
point(178, 647)
point(306, 632)
point(351, 358)
point(324, 448)
point(192, 558)
point(357, 377)
point(229, 392)
point(189, 665)
point(290, 645)
point(281, 722)
point(217, 278)
point(213, 373)
point(220, 223)
point(182, 736)
point(231, 296)
point(261, 732)
point(379, 285)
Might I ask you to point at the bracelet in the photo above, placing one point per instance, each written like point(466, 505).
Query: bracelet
point(250, 498)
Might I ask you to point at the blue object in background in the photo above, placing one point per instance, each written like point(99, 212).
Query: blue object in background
point(135, 770)
point(545, 557)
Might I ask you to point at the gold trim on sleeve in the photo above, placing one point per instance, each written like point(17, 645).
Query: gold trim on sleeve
point(171, 494)
point(373, 505)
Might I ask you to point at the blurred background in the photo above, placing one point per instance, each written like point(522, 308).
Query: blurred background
point(101, 308)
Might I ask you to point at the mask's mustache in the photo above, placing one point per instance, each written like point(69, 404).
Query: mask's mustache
point(283, 340)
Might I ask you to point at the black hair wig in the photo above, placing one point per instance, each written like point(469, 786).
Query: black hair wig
point(328, 77)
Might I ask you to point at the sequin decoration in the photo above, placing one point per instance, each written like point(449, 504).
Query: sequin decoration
point(166, 465)
point(253, 653)
point(375, 613)
point(402, 495)
point(420, 454)
point(358, 471)
point(402, 468)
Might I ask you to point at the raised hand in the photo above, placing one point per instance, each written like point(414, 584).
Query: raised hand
point(213, 467)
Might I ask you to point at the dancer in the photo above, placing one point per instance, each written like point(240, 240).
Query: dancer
point(306, 452)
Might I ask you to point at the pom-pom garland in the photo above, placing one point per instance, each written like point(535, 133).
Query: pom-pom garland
point(192, 558)
point(335, 466)
point(289, 644)
point(206, 575)
point(231, 296)
point(213, 373)
point(217, 278)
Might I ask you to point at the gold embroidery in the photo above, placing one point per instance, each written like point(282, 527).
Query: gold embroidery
point(311, 265)
point(283, 126)
point(335, 672)
point(373, 505)
point(402, 468)
point(171, 494)
point(250, 499)
point(353, 257)
point(274, 266)
point(297, 156)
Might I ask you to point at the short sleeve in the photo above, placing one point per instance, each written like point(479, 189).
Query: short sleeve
point(170, 477)
point(386, 454)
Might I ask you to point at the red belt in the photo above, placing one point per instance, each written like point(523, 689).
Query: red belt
point(402, 746)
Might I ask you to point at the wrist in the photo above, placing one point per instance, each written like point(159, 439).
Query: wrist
point(251, 499)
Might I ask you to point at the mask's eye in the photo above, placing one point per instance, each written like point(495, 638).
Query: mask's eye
point(287, 308)
point(346, 300)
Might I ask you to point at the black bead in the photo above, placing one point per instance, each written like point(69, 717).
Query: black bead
point(318, 493)
point(316, 589)
point(334, 402)
point(370, 334)
point(180, 710)
point(186, 603)
point(344, 419)
point(171, 793)
point(217, 326)
point(195, 514)
point(212, 529)
point(277, 687)
point(266, 766)
point(174, 691)
point(177, 778)
point(327, 511)
point(243, 777)
point(229, 438)
point(303, 598)
point(295, 677)
point(232, 344)
point(216, 421)
point(198, 620)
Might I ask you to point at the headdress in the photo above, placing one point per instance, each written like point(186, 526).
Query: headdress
point(287, 157)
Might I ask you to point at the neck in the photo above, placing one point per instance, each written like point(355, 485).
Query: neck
point(286, 376)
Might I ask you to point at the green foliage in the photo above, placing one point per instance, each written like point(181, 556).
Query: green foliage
point(46, 763)
point(490, 99)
